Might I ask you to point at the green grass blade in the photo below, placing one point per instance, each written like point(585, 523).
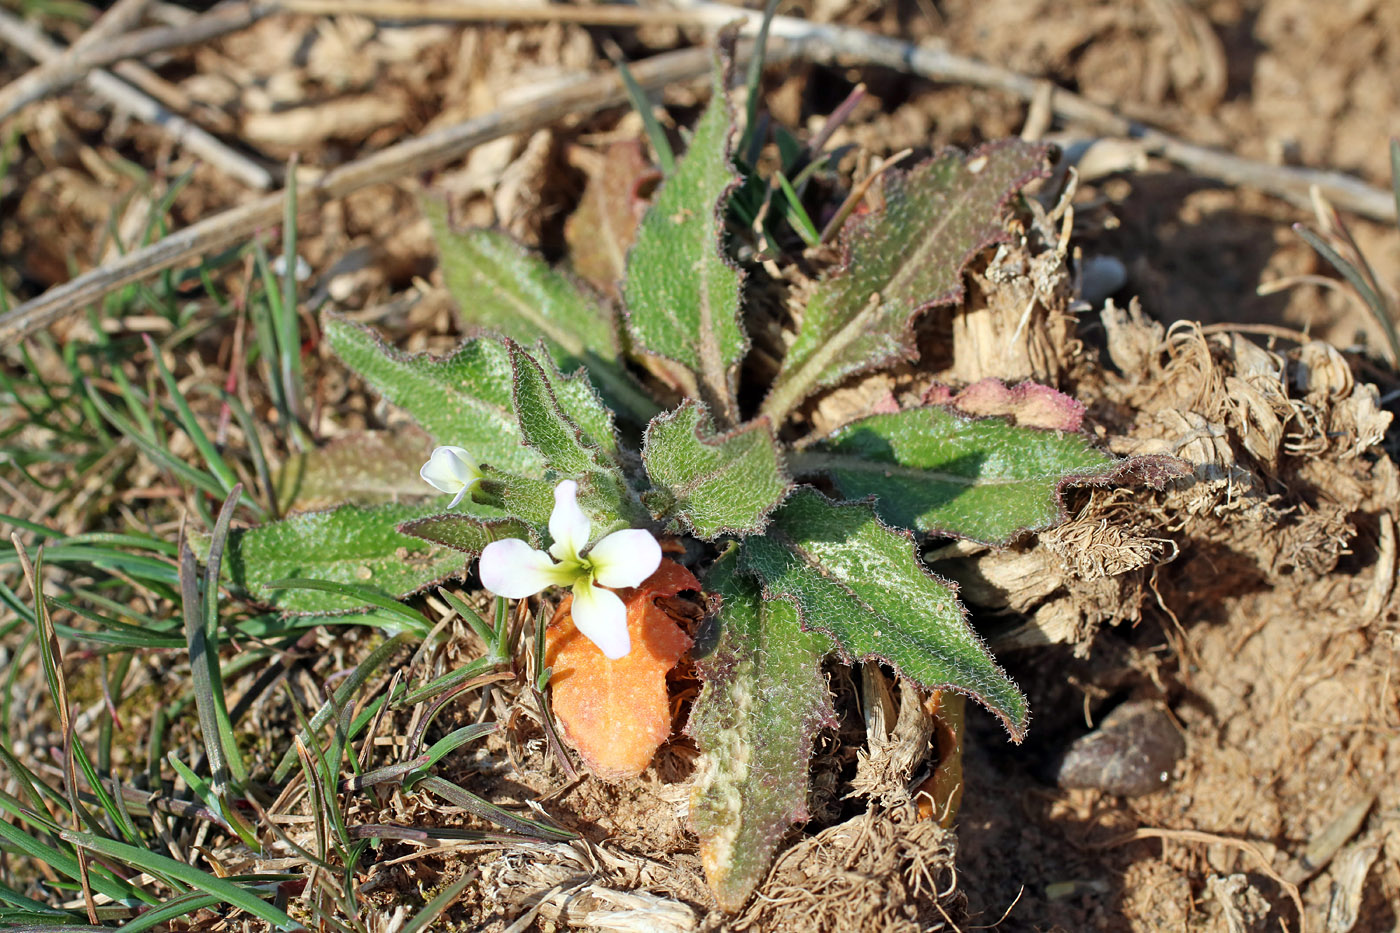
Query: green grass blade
point(356, 591)
point(440, 902)
point(439, 685)
point(170, 910)
point(1353, 275)
point(203, 670)
point(288, 329)
point(64, 861)
point(212, 569)
point(489, 811)
point(156, 452)
point(1395, 175)
point(471, 617)
point(207, 451)
point(665, 156)
point(754, 76)
point(226, 891)
point(255, 449)
point(455, 740)
point(352, 684)
point(112, 631)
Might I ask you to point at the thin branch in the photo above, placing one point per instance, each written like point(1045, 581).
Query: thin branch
point(827, 44)
point(121, 17)
point(514, 11)
point(542, 105)
point(131, 101)
point(52, 77)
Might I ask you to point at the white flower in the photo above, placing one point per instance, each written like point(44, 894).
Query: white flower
point(450, 469)
point(513, 569)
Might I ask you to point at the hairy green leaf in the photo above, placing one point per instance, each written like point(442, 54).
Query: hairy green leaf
point(566, 449)
point(863, 584)
point(351, 544)
point(463, 399)
point(764, 698)
point(713, 485)
point(936, 471)
point(544, 425)
point(524, 497)
point(898, 262)
point(681, 291)
point(466, 532)
point(581, 405)
point(366, 468)
point(501, 285)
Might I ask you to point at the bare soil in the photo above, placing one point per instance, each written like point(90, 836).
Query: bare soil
point(1254, 605)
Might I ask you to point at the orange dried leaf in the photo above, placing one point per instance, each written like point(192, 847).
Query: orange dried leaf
point(617, 713)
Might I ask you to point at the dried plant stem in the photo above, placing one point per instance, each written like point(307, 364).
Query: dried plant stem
point(1203, 838)
point(83, 57)
point(121, 17)
point(515, 11)
point(828, 44)
point(139, 105)
point(543, 105)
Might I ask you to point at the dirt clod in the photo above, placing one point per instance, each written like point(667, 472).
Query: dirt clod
point(1131, 753)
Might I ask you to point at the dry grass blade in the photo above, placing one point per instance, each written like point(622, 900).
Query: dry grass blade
point(595, 14)
point(1244, 845)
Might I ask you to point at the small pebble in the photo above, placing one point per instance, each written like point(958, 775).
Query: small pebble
point(1131, 753)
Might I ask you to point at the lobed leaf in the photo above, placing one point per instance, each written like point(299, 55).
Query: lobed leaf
point(617, 713)
point(862, 583)
point(900, 261)
point(936, 471)
point(713, 485)
point(462, 399)
point(681, 291)
point(581, 404)
point(500, 285)
point(755, 719)
point(566, 449)
point(351, 544)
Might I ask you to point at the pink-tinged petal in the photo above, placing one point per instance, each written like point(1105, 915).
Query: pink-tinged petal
point(450, 469)
point(602, 618)
point(513, 569)
point(568, 526)
point(625, 558)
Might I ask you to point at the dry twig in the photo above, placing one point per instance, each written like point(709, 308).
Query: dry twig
point(129, 100)
point(81, 59)
point(107, 48)
point(117, 20)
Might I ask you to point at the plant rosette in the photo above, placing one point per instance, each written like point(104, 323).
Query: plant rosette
point(536, 419)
